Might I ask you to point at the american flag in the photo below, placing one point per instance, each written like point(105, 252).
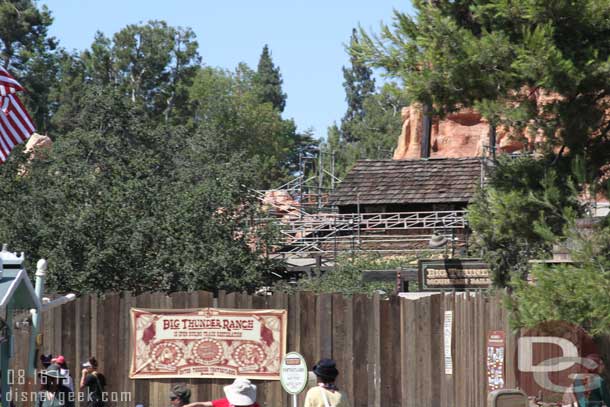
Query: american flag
point(16, 125)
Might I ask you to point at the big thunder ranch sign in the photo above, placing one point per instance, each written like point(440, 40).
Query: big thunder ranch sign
point(207, 343)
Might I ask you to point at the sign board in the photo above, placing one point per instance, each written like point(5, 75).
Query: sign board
point(207, 342)
point(496, 344)
point(448, 334)
point(453, 274)
point(293, 373)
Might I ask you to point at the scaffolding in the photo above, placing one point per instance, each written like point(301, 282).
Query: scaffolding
point(310, 229)
point(317, 180)
point(388, 232)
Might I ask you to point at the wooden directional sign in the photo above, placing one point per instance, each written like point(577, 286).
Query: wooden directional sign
point(453, 274)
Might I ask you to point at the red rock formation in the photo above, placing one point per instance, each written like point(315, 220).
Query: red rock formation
point(282, 204)
point(35, 148)
point(36, 143)
point(461, 134)
point(464, 133)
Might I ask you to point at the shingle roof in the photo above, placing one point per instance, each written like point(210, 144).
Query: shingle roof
point(435, 180)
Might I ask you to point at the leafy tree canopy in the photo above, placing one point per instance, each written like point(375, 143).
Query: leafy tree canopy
point(359, 84)
point(118, 204)
point(346, 277)
point(373, 134)
point(227, 107)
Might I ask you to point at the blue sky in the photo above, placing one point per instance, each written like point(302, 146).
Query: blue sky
point(306, 39)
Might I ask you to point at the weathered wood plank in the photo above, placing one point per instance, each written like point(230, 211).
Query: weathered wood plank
point(141, 394)
point(360, 363)
point(390, 353)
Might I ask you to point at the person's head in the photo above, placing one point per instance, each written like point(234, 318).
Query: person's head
point(180, 395)
point(46, 360)
point(241, 392)
point(90, 364)
point(326, 371)
point(597, 359)
point(61, 361)
point(53, 377)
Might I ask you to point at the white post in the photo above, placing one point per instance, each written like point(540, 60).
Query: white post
point(41, 271)
point(294, 401)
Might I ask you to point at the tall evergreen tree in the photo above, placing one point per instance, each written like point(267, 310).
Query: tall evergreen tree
point(359, 83)
point(497, 55)
point(23, 27)
point(269, 81)
point(371, 123)
point(29, 53)
point(534, 66)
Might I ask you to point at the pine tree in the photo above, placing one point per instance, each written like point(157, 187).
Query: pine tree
point(497, 55)
point(359, 84)
point(269, 81)
point(532, 66)
point(28, 53)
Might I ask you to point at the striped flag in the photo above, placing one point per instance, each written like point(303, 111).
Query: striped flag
point(16, 125)
point(8, 84)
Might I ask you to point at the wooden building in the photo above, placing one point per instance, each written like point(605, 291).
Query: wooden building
point(420, 185)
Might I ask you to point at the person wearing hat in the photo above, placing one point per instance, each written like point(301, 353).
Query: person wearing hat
point(326, 393)
point(94, 382)
point(180, 395)
point(589, 388)
point(240, 393)
point(61, 362)
point(54, 393)
point(46, 360)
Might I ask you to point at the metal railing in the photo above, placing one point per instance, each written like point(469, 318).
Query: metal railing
point(325, 233)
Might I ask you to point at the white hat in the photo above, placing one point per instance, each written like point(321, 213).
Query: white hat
point(241, 392)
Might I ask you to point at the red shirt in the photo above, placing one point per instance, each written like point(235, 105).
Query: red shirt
point(225, 403)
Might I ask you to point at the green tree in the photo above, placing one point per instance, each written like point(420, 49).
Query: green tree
point(523, 202)
point(153, 64)
point(23, 27)
point(122, 203)
point(576, 293)
point(268, 81)
point(28, 54)
point(346, 277)
point(99, 61)
point(496, 55)
point(374, 134)
point(228, 109)
point(359, 84)
point(67, 93)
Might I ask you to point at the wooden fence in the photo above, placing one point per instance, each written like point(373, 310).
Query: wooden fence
point(389, 352)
